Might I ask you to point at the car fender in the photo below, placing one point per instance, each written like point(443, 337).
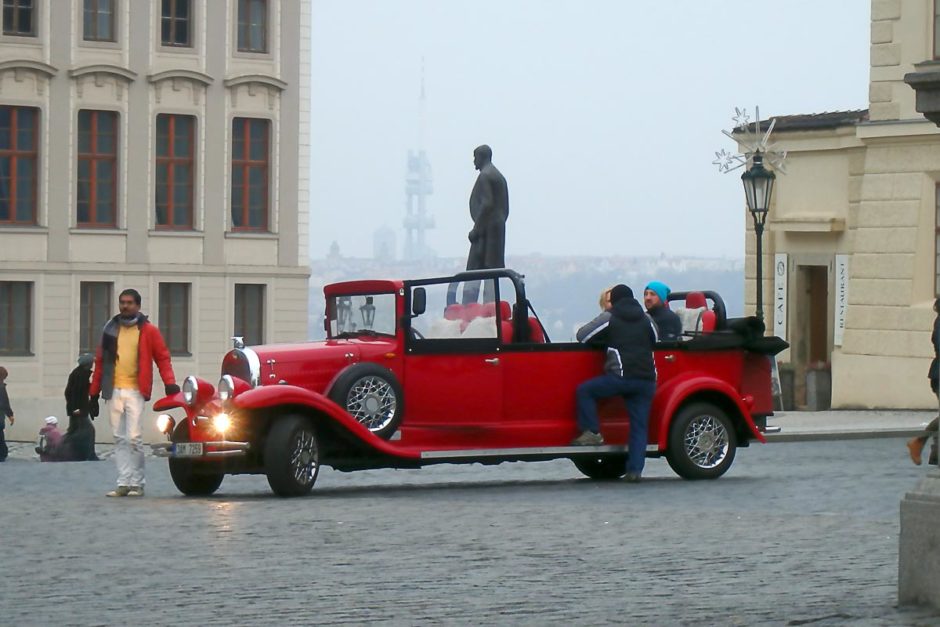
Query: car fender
point(274, 395)
point(672, 396)
point(169, 402)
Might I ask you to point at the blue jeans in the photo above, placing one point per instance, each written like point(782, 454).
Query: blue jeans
point(638, 395)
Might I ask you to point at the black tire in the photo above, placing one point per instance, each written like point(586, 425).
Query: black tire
point(702, 442)
point(292, 456)
point(190, 477)
point(602, 467)
point(372, 395)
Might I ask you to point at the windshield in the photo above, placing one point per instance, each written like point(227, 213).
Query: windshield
point(360, 314)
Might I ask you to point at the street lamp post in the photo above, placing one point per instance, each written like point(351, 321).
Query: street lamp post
point(758, 186)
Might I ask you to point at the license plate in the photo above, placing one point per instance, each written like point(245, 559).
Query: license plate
point(188, 449)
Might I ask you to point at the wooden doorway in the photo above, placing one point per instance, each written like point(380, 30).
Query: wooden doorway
point(810, 346)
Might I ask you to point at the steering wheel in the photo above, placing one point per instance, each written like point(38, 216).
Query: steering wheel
point(416, 334)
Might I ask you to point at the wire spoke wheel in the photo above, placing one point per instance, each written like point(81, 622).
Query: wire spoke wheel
point(304, 458)
point(706, 441)
point(372, 402)
point(291, 456)
point(702, 441)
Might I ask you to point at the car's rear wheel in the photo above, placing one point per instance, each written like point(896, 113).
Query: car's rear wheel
point(292, 456)
point(702, 442)
point(192, 478)
point(372, 395)
point(602, 467)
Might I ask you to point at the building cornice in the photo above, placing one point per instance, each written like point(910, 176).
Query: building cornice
point(26, 64)
point(262, 79)
point(115, 71)
point(197, 77)
point(807, 224)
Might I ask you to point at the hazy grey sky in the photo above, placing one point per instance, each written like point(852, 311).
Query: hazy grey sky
point(604, 115)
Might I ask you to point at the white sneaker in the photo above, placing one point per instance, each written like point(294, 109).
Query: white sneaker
point(121, 490)
point(136, 490)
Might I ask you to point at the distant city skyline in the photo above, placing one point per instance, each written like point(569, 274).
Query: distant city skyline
point(603, 116)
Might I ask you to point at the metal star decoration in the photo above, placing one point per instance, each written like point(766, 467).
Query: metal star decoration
point(751, 139)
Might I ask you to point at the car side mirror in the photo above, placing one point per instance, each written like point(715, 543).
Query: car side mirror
point(419, 301)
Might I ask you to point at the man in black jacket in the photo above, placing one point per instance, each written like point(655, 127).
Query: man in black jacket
point(629, 371)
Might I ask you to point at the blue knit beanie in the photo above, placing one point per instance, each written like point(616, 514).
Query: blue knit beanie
point(662, 290)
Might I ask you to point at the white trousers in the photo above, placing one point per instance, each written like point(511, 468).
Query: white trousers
point(127, 407)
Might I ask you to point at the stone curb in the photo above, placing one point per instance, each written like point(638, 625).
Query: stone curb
point(853, 434)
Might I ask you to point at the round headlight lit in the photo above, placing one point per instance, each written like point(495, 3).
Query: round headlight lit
point(165, 423)
point(226, 387)
point(222, 422)
point(190, 390)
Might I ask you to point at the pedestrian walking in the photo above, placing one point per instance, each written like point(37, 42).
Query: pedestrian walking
point(123, 376)
point(6, 413)
point(78, 445)
point(915, 445)
point(628, 335)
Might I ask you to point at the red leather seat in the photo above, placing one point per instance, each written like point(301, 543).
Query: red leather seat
point(694, 300)
point(535, 331)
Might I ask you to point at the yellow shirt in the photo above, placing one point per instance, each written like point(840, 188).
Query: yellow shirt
point(125, 369)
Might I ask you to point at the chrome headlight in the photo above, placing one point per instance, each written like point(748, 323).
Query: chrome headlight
point(190, 390)
point(165, 423)
point(226, 387)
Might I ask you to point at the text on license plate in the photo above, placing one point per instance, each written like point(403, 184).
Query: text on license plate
point(188, 449)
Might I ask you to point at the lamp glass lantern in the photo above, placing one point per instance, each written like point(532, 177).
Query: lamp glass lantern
point(758, 186)
point(368, 313)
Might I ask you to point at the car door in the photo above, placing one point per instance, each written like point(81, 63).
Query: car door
point(453, 375)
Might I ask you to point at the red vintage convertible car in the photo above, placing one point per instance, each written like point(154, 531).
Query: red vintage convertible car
point(458, 369)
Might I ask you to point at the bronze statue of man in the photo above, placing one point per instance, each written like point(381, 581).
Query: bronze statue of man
point(489, 208)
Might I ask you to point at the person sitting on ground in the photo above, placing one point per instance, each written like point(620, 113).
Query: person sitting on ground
point(656, 300)
point(78, 445)
point(49, 440)
point(916, 445)
point(629, 336)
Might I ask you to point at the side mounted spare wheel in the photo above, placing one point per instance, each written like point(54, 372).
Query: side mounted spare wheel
point(372, 395)
point(291, 456)
point(702, 442)
point(193, 478)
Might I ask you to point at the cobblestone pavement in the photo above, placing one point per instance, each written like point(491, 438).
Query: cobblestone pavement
point(795, 534)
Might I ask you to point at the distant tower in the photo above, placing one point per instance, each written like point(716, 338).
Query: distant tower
point(418, 186)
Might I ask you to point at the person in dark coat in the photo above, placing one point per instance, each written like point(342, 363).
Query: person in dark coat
point(6, 413)
point(916, 444)
point(489, 209)
point(78, 445)
point(656, 300)
point(629, 371)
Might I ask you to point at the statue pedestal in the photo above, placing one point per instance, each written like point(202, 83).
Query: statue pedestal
point(919, 548)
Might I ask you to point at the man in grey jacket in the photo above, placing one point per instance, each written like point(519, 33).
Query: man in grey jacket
point(629, 371)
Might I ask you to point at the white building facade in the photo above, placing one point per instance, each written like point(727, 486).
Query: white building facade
point(851, 254)
point(160, 146)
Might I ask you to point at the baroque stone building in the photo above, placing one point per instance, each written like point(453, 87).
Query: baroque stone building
point(155, 145)
point(853, 235)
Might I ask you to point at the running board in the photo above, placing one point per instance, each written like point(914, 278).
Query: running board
point(555, 451)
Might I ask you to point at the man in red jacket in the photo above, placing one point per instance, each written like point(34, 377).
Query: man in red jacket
point(130, 344)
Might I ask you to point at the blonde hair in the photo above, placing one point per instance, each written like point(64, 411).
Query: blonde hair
point(605, 298)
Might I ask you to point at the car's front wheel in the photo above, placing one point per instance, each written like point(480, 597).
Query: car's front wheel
point(292, 456)
point(190, 477)
point(702, 442)
point(602, 467)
